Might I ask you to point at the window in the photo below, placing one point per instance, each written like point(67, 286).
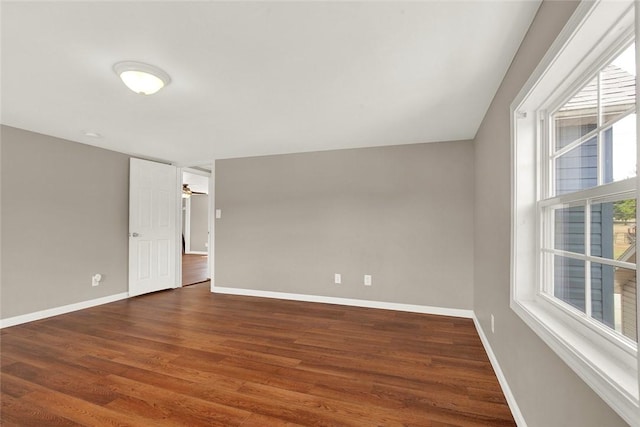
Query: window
point(574, 198)
point(588, 207)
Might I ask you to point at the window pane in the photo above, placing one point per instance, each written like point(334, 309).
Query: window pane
point(568, 281)
point(613, 230)
point(602, 293)
point(578, 116)
point(578, 168)
point(618, 85)
point(569, 229)
point(619, 150)
point(613, 298)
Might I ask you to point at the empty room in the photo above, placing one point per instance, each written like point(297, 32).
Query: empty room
point(319, 213)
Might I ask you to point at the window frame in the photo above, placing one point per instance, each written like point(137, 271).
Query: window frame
point(607, 362)
point(620, 190)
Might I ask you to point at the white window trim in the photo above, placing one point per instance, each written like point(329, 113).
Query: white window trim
point(609, 365)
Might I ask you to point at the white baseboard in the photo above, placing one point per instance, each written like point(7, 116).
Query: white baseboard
point(50, 312)
point(511, 400)
point(442, 311)
point(196, 253)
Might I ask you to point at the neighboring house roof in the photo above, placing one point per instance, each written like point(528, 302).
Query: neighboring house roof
point(618, 95)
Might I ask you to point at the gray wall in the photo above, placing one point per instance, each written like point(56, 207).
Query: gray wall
point(199, 223)
point(403, 214)
point(65, 212)
point(548, 392)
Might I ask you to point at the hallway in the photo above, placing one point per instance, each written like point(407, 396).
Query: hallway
point(194, 269)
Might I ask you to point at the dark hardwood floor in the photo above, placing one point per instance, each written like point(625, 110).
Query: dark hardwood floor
point(191, 358)
point(194, 269)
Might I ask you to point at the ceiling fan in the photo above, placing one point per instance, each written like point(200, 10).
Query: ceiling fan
point(187, 192)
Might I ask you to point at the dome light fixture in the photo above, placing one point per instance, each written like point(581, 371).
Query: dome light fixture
point(141, 78)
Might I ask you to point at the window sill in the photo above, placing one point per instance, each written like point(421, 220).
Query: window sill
point(609, 371)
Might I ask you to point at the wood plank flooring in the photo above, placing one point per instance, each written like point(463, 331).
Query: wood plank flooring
point(187, 357)
point(194, 269)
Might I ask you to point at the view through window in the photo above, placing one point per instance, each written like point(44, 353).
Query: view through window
point(589, 210)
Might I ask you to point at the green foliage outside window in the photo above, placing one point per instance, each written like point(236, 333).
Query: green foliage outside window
point(625, 210)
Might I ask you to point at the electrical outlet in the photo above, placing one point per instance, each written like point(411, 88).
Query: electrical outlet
point(95, 279)
point(493, 325)
point(337, 278)
point(367, 280)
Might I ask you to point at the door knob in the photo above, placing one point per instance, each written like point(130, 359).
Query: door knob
point(134, 234)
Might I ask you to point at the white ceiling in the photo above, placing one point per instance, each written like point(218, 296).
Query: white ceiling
point(257, 78)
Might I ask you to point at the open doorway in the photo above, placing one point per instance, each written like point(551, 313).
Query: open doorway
point(195, 225)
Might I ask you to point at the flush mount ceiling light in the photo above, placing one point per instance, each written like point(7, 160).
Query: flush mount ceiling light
point(141, 78)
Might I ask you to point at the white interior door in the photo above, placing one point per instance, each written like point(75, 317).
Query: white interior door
point(152, 226)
